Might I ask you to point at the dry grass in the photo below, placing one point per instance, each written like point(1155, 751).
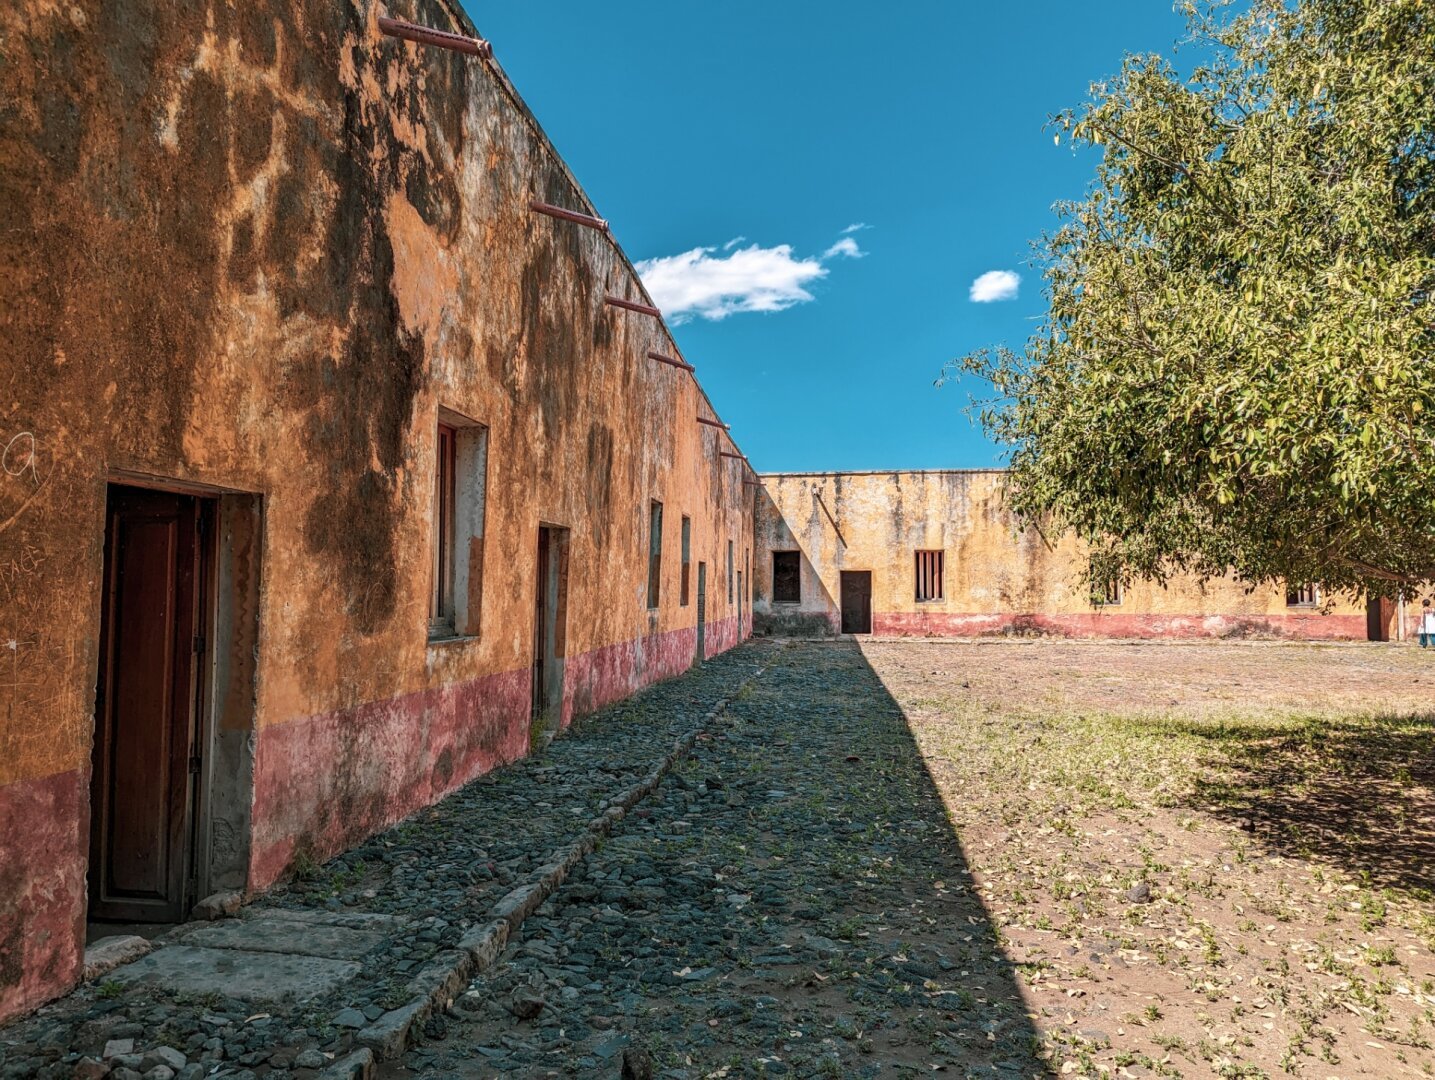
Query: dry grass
point(1278, 802)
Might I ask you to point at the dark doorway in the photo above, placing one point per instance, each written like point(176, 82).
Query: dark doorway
point(146, 765)
point(702, 610)
point(549, 633)
point(1379, 614)
point(856, 601)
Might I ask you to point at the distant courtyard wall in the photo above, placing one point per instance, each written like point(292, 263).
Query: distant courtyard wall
point(258, 252)
point(996, 577)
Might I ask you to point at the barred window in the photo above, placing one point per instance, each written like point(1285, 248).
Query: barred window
point(929, 576)
point(1302, 596)
point(1108, 593)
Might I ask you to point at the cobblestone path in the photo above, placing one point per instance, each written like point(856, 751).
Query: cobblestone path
point(439, 872)
point(791, 901)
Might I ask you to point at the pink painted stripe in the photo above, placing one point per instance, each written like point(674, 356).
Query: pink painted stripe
point(325, 782)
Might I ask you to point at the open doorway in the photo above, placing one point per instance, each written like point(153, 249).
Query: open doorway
point(171, 783)
point(549, 633)
point(702, 611)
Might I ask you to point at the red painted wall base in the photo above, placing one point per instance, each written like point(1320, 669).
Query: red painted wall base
point(44, 843)
point(1304, 626)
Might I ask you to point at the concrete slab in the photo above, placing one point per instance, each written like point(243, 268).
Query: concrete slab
point(287, 936)
point(235, 973)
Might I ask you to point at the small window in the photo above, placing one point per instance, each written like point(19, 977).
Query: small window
point(456, 558)
point(786, 577)
point(1108, 593)
point(1307, 596)
point(655, 552)
point(929, 576)
point(729, 572)
point(441, 621)
point(684, 591)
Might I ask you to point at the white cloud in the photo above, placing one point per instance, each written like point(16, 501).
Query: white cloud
point(733, 243)
point(846, 247)
point(856, 226)
point(995, 285)
point(701, 283)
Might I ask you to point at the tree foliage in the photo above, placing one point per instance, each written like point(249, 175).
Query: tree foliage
point(1237, 369)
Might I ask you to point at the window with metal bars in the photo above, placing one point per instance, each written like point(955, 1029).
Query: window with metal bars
point(929, 576)
point(1307, 596)
point(786, 577)
point(655, 552)
point(1108, 593)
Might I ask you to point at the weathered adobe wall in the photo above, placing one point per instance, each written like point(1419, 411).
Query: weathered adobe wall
point(997, 579)
point(257, 247)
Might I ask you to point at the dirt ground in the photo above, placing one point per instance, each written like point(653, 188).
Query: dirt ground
point(1211, 859)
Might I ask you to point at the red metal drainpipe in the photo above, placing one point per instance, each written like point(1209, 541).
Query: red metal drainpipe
point(569, 215)
point(714, 423)
point(428, 35)
point(660, 358)
point(632, 305)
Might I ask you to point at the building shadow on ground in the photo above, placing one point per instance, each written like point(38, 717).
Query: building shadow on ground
point(1356, 794)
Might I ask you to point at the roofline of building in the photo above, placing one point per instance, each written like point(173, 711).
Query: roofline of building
point(466, 26)
point(887, 472)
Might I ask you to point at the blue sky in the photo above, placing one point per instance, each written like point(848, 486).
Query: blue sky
point(691, 125)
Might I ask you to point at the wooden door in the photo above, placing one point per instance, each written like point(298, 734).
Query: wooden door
point(856, 601)
point(702, 611)
point(1379, 614)
point(145, 764)
point(550, 621)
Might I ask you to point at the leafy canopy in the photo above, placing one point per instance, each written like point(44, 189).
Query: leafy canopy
point(1237, 370)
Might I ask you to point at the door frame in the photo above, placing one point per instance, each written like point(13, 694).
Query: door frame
point(221, 807)
point(183, 826)
point(550, 595)
point(702, 611)
point(841, 599)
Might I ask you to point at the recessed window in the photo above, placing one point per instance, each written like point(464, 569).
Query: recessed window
point(929, 576)
point(1304, 596)
point(1108, 593)
point(786, 577)
point(729, 572)
point(684, 589)
point(456, 549)
point(655, 552)
point(441, 596)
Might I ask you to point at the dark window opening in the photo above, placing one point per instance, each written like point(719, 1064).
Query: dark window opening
point(684, 590)
point(1108, 593)
point(729, 572)
point(929, 576)
point(786, 577)
point(655, 552)
point(441, 607)
point(1303, 596)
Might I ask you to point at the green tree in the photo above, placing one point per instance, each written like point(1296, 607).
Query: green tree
point(1237, 368)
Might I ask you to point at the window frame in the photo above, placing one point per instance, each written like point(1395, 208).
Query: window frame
point(1303, 597)
point(442, 622)
point(1112, 594)
point(796, 577)
point(655, 554)
point(685, 581)
point(929, 576)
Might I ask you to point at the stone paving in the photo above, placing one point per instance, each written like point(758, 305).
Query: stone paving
point(790, 902)
point(228, 1014)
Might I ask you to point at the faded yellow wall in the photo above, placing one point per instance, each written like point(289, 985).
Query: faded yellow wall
point(255, 248)
point(997, 578)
